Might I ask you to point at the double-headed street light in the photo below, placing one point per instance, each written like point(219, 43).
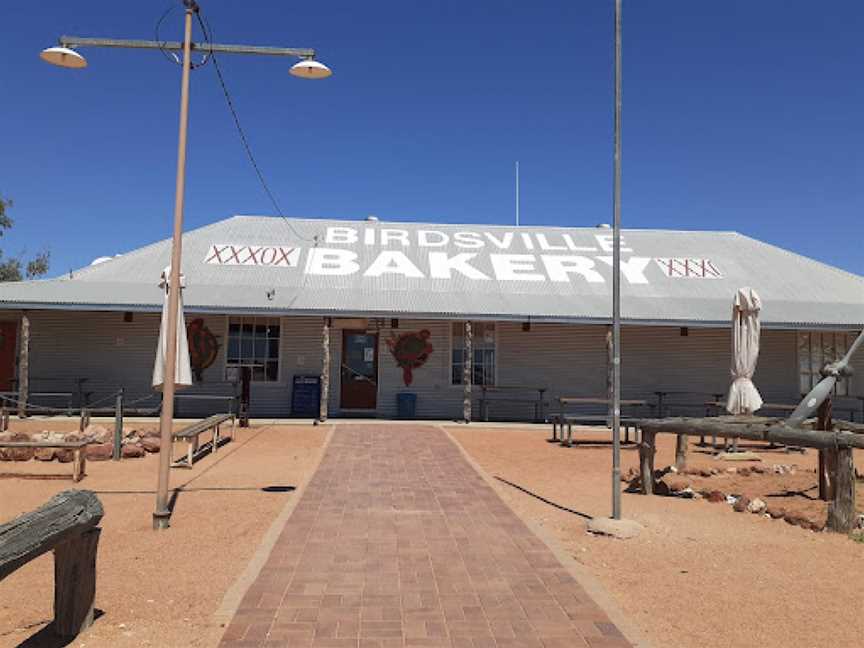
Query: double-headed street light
point(65, 55)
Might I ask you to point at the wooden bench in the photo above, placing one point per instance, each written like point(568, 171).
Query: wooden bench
point(563, 419)
point(79, 459)
point(504, 395)
point(66, 524)
point(191, 433)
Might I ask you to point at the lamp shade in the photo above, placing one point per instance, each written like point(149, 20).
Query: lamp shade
point(310, 69)
point(64, 57)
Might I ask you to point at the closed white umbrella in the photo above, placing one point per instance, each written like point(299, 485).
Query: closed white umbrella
point(183, 373)
point(744, 398)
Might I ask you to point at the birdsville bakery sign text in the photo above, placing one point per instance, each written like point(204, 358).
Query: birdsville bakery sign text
point(474, 255)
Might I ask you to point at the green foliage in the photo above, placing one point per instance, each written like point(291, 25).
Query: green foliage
point(11, 268)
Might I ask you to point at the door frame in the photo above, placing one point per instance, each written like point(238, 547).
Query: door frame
point(346, 332)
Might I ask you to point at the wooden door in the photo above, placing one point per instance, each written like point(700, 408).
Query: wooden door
point(359, 384)
point(8, 349)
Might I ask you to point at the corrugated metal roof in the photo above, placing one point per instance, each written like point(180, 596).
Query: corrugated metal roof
point(393, 268)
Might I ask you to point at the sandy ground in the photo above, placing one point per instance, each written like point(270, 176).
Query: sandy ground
point(158, 589)
point(700, 575)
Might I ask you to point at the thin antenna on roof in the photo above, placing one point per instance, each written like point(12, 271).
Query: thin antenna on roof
point(517, 193)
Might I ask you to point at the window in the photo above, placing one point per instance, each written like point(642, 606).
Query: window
point(254, 342)
point(815, 350)
point(483, 348)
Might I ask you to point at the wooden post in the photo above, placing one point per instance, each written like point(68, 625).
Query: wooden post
point(681, 443)
point(325, 371)
point(118, 426)
point(79, 464)
point(646, 461)
point(467, 372)
point(24, 366)
point(841, 511)
point(75, 583)
point(826, 457)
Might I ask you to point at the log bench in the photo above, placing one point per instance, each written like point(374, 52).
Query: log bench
point(512, 394)
point(191, 434)
point(842, 515)
point(66, 525)
point(79, 460)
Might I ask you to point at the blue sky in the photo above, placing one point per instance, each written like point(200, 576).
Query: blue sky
point(738, 115)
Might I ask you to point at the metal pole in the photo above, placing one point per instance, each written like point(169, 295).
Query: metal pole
point(517, 193)
point(616, 282)
point(161, 516)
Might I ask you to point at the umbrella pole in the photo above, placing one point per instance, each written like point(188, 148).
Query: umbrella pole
point(616, 282)
point(162, 514)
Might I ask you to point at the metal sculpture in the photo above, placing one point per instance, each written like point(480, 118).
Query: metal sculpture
point(411, 350)
point(831, 373)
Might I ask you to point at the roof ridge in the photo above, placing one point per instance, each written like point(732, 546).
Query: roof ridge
point(592, 228)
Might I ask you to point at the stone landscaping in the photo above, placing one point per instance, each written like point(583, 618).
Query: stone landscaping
point(136, 443)
point(773, 491)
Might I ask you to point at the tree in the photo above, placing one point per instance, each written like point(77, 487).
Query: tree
point(10, 268)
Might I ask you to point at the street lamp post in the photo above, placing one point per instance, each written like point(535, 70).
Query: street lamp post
point(616, 281)
point(65, 56)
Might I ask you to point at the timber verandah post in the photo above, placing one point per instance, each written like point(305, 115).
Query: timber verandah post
point(467, 372)
point(24, 366)
point(325, 370)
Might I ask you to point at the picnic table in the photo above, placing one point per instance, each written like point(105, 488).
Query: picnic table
point(562, 419)
point(503, 392)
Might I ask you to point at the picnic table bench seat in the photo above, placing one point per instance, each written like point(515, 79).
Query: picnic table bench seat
point(79, 459)
point(191, 434)
point(513, 394)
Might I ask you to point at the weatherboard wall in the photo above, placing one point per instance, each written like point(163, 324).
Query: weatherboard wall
point(570, 360)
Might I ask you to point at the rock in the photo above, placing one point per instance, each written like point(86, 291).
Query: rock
point(796, 519)
point(705, 472)
point(776, 512)
point(759, 470)
point(153, 433)
point(132, 451)
point(621, 529)
point(739, 456)
point(44, 454)
point(678, 484)
point(97, 434)
point(733, 470)
point(18, 454)
point(691, 471)
point(744, 472)
point(859, 524)
point(99, 451)
point(66, 455)
point(150, 444)
point(715, 496)
point(756, 506)
point(689, 493)
point(741, 504)
point(661, 488)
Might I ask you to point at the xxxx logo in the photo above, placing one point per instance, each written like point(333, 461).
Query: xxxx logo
point(276, 256)
point(687, 268)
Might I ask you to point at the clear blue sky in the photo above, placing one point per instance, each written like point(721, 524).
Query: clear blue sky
point(738, 115)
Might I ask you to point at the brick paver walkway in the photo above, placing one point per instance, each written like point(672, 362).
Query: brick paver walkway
point(398, 541)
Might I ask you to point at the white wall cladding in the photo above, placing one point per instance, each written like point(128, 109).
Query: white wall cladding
point(568, 359)
point(110, 353)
